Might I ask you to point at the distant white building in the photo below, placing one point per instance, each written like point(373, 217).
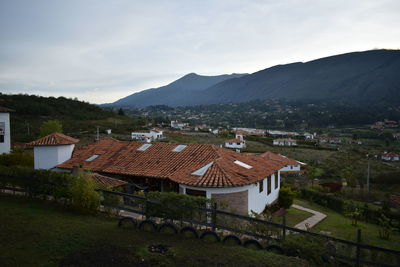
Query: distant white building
point(179, 125)
point(309, 136)
point(238, 142)
point(291, 165)
point(147, 136)
point(390, 156)
point(284, 142)
point(108, 131)
point(52, 150)
point(5, 133)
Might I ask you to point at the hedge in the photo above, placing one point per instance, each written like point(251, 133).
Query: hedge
point(60, 187)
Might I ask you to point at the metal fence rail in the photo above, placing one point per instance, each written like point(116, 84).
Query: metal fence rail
point(351, 247)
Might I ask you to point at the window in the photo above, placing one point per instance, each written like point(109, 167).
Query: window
point(261, 185)
point(238, 144)
point(269, 185)
point(179, 148)
point(291, 167)
point(202, 170)
point(2, 131)
point(93, 157)
point(144, 147)
point(276, 180)
point(242, 164)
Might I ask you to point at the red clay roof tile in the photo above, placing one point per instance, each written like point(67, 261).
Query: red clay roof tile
point(54, 139)
point(159, 161)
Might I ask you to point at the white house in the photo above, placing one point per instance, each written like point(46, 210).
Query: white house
point(5, 133)
point(152, 135)
point(52, 150)
point(246, 182)
point(290, 165)
point(309, 136)
point(238, 142)
point(179, 125)
point(390, 156)
point(284, 142)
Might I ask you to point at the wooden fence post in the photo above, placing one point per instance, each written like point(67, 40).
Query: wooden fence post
point(214, 216)
point(358, 251)
point(284, 226)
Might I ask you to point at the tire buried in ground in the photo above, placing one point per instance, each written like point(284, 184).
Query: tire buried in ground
point(127, 222)
point(275, 249)
point(210, 236)
point(189, 232)
point(168, 228)
point(148, 225)
point(232, 240)
point(252, 244)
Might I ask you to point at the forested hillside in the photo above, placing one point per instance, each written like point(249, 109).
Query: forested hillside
point(77, 118)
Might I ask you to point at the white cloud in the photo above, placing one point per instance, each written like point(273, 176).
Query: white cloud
point(72, 48)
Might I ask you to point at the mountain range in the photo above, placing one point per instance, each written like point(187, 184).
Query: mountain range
point(360, 77)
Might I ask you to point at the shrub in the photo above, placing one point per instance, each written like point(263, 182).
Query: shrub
point(84, 198)
point(174, 206)
point(306, 247)
point(286, 197)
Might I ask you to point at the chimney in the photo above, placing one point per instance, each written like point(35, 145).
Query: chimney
point(75, 171)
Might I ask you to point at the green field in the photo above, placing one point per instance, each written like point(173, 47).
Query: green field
point(35, 233)
point(340, 226)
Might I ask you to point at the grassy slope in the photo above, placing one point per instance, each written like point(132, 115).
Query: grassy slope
point(34, 233)
point(340, 226)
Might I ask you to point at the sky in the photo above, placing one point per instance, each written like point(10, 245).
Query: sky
point(100, 51)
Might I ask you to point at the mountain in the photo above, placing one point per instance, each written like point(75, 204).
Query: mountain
point(178, 91)
point(369, 76)
point(359, 77)
point(77, 118)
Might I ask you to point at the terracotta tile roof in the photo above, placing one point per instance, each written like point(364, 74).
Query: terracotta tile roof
point(159, 161)
point(7, 110)
point(390, 154)
point(234, 140)
point(54, 139)
point(108, 181)
point(395, 199)
point(279, 158)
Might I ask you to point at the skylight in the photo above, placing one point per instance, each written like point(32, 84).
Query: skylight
point(144, 147)
point(202, 170)
point(93, 157)
point(179, 148)
point(242, 164)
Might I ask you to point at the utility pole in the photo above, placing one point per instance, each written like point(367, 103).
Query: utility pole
point(97, 134)
point(368, 172)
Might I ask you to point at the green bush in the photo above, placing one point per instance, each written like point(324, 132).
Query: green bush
point(286, 197)
point(17, 159)
point(84, 198)
point(307, 247)
point(174, 206)
point(61, 187)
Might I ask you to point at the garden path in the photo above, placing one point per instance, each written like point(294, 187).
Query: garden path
point(311, 221)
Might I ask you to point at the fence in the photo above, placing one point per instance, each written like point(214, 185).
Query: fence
point(259, 231)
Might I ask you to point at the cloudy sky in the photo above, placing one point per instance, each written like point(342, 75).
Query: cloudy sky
point(100, 51)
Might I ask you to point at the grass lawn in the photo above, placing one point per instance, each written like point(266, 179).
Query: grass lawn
point(35, 233)
point(293, 217)
point(340, 226)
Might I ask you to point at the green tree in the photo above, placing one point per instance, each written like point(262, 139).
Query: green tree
point(49, 127)
point(286, 197)
point(121, 112)
point(348, 174)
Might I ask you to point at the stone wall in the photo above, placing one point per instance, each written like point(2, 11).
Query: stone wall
point(237, 202)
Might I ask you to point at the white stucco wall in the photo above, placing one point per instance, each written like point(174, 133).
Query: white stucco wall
point(291, 168)
point(5, 147)
point(256, 200)
point(235, 145)
point(47, 157)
